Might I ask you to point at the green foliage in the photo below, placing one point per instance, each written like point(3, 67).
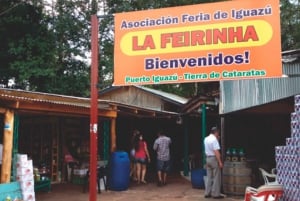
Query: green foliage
point(70, 25)
point(290, 24)
point(25, 51)
point(45, 51)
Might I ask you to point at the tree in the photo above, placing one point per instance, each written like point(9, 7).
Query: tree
point(70, 26)
point(290, 24)
point(26, 51)
point(46, 51)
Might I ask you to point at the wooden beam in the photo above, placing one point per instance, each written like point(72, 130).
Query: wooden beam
point(7, 146)
point(10, 104)
point(113, 136)
point(64, 109)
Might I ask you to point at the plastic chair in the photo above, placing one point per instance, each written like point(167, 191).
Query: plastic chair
point(101, 174)
point(269, 178)
point(264, 193)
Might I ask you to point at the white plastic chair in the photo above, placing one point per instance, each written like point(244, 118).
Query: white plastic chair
point(269, 178)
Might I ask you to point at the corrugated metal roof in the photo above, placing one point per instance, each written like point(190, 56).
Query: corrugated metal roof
point(291, 69)
point(156, 111)
point(291, 63)
point(290, 56)
point(23, 95)
point(165, 95)
point(81, 105)
point(242, 94)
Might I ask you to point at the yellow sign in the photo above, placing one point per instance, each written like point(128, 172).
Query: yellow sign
point(205, 42)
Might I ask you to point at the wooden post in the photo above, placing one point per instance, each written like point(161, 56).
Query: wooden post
point(94, 109)
point(113, 145)
point(7, 146)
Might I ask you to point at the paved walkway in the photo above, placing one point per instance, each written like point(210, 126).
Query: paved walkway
point(178, 188)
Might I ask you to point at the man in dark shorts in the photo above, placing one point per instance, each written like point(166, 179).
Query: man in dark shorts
point(162, 148)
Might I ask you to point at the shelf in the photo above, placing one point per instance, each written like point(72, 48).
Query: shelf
point(54, 158)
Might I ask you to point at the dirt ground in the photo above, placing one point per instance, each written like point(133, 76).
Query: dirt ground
point(178, 188)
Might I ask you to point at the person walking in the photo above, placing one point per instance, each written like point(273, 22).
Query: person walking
point(213, 164)
point(162, 148)
point(141, 158)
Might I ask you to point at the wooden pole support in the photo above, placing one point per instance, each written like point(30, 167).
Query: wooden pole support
point(113, 135)
point(7, 146)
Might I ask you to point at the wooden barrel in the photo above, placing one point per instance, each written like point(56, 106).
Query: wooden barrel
point(236, 177)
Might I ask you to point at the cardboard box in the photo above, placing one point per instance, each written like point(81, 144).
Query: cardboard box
point(24, 171)
point(25, 164)
point(22, 157)
point(28, 196)
point(26, 177)
point(27, 186)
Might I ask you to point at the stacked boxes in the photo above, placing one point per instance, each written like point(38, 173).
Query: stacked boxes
point(25, 177)
point(288, 159)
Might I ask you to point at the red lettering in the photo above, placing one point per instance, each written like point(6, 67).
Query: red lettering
point(181, 39)
point(235, 35)
point(135, 45)
point(177, 39)
point(220, 35)
point(207, 37)
point(187, 38)
point(250, 33)
point(197, 38)
point(148, 43)
point(165, 38)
